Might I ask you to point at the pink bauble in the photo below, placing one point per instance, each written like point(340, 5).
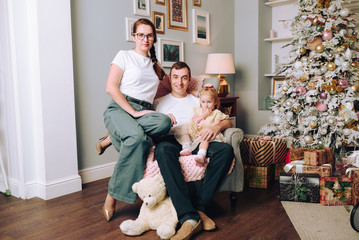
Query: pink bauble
point(322, 107)
point(300, 90)
point(343, 83)
point(327, 35)
point(323, 95)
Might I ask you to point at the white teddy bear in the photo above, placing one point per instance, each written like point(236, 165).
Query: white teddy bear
point(157, 210)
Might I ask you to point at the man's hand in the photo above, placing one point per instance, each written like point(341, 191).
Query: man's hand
point(209, 133)
point(173, 119)
point(142, 113)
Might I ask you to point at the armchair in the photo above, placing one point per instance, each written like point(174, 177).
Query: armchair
point(233, 182)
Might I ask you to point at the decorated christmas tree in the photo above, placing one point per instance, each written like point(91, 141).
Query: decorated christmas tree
point(317, 105)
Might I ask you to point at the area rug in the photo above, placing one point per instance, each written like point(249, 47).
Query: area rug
point(315, 221)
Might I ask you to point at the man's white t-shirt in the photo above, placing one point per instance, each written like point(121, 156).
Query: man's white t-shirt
point(139, 80)
point(181, 108)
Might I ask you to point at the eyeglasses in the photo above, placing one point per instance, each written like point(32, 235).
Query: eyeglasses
point(142, 36)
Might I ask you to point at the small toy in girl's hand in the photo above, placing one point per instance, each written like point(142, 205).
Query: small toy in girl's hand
point(208, 85)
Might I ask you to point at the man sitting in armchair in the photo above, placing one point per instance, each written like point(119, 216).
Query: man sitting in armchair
point(179, 106)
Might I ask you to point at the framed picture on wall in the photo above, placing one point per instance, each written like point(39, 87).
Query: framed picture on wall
point(142, 7)
point(200, 27)
point(158, 20)
point(170, 51)
point(197, 3)
point(277, 83)
point(160, 2)
point(129, 28)
point(177, 14)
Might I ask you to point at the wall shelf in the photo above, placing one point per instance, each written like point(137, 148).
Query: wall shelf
point(279, 39)
point(270, 75)
point(279, 3)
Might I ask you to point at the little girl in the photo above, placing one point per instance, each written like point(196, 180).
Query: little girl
point(204, 116)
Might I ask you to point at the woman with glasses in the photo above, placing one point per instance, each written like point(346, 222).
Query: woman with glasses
point(132, 83)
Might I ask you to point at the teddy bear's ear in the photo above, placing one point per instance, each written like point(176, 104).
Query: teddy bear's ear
point(134, 187)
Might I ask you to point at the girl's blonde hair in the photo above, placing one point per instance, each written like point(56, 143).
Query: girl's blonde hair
point(210, 90)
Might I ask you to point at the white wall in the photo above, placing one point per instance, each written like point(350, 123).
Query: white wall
point(40, 128)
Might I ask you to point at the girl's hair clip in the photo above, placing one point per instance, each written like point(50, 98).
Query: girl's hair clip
point(208, 85)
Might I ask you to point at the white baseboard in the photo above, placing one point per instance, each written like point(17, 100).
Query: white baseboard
point(59, 187)
point(54, 189)
point(97, 173)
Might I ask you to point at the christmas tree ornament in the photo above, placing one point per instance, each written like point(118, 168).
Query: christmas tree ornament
point(312, 85)
point(322, 107)
point(331, 66)
point(308, 139)
point(319, 49)
point(302, 51)
point(323, 69)
point(298, 65)
point(344, 12)
point(347, 131)
point(343, 83)
point(323, 95)
point(341, 49)
point(289, 115)
point(319, 28)
point(327, 35)
point(316, 41)
point(303, 78)
point(355, 87)
point(354, 64)
point(300, 90)
point(342, 32)
point(341, 95)
point(320, 142)
point(323, 131)
point(313, 123)
point(285, 88)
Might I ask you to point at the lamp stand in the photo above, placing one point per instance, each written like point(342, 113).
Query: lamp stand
point(223, 89)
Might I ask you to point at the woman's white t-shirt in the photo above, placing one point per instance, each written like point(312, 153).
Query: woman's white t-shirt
point(139, 80)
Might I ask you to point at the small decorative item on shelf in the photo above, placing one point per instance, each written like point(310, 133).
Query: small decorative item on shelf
point(272, 33)
point(269, 103)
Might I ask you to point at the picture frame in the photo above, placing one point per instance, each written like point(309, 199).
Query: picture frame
point(129, 28)
point(277, 83)
point(177, 17)
point(197, 3)
point(158, 20)
point(201, 28)
point(160, 2)
point(142, 8)
point(170, 51)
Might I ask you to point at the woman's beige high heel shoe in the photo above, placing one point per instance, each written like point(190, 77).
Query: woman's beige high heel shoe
point(108, 214)
point(99, 148)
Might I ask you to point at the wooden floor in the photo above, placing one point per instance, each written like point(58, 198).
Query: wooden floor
point(259, 215)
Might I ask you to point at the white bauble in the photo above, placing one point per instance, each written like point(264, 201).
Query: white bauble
point(331, 121)
point(342, 32)
point(303, 41)
point(308, 139)
point(289, 115)
point(344, 12)
point(323, 131)
point(276, 119)
point(331, 8)
point(347, 131)
point(323, 69)
point(276, 112)
point(320, 142)
point(298, 65)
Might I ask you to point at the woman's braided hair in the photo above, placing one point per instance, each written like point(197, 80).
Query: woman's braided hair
point(156, 67)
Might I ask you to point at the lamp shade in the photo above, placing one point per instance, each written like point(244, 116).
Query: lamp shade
point(220, 63)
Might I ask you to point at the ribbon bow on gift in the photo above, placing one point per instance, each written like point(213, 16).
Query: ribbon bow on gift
point(353, 159)
point(265, 139)
point(346, 112)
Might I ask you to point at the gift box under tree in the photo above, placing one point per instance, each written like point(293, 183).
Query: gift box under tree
point(299, 187)
point(324, 171)
point(335, 191)
point(355, 186)
point(263, 151)
point(278, 168)
point(258, 177)
point(317, 157)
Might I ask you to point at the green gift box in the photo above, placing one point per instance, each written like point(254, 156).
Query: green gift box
point(258, 177)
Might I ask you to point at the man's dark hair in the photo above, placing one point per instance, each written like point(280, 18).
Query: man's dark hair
point(180, 65)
